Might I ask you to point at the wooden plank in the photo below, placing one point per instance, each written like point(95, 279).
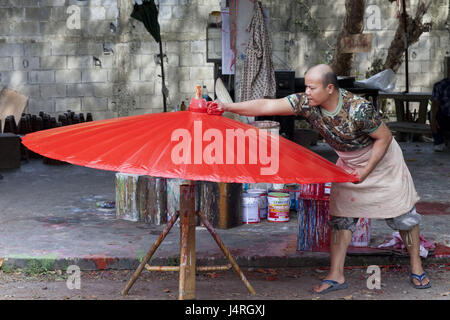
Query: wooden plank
point(409, 127)
point(11, 103)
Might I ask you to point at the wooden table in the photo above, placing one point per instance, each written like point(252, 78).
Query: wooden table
point(402, 109)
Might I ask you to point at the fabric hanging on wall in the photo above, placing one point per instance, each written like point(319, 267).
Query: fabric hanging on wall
point(258, 75)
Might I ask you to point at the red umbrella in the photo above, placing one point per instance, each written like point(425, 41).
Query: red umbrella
point(187, 145)
point(192, 145)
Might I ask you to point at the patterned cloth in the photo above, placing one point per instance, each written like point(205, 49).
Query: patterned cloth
point(441, 93)
point(258, 75)
point(348, 127)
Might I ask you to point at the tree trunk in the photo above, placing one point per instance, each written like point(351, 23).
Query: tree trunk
point(415, 28)
point(353, 24)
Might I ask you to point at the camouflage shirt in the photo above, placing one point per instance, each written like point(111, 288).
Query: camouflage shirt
point(348, 127)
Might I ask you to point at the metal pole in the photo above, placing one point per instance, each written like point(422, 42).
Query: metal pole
point(162, 75)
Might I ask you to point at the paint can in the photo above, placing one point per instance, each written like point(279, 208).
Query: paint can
point(250, 204)
point(262, 205)
point(279, 204)
point(273, 127)
point(293, 192)
point(361, 235)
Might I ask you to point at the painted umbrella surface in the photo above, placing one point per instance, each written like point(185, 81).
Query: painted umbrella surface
point(187, 145)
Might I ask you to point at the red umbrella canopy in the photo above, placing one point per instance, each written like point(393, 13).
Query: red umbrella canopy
point(188, 145)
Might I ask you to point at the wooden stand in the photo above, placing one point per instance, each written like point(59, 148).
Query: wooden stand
point(187, 266)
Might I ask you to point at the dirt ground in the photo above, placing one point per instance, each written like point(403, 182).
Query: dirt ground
point(270, 284)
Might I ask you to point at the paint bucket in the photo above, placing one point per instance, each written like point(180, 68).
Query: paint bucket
point(262, 205)
point(250, 204)
point(272, 127)
point(361, 235)
point(292, 189)
point(279, 204)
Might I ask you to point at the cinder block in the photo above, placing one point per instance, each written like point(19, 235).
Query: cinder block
point(6, 64)
point(25, 28)
point(94, 104)
point(64, 104)
point(53, 90)
point(80, 90)
point(38, 104)
point(41, 76)
point(64, 49)
point(26, 63)
point(53, 3)
point(53, 62)
point(78, 62)
point(37, 14)
point(94, 75)
point(11, 49)
point(37, 49)
point(68, 76)
point(201, 73)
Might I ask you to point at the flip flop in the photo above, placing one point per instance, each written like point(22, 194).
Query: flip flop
point(334, 285)
point(420, 278)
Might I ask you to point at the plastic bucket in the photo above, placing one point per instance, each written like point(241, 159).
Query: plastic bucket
point(250, 205)
point(279, 204)
point(262, 205)
point(272, 127)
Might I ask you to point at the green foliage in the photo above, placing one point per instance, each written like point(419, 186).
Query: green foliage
point(375, 67)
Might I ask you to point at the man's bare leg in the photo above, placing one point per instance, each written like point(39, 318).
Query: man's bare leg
point(338, 251)
point(412, 243)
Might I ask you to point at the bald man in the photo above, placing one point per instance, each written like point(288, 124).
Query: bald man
point(353, 128)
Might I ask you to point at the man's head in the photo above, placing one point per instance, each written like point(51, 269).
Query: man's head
point(321, 82)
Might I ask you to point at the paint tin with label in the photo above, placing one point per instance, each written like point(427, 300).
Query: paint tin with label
point(250, 204)
point(279, 205)
point(262, 201)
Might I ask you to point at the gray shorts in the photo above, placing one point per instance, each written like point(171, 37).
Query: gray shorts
point(404, 222)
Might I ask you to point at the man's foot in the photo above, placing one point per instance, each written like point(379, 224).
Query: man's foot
point(419, 278)
point(330, 282)
point(439, 147)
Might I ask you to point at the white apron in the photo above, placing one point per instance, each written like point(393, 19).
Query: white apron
point(387, 192)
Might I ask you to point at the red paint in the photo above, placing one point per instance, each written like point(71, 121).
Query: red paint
point(101, 263)
point(432, 208)
point(352, 199)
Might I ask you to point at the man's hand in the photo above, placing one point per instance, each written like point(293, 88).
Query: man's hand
point(218, 106)
point(362, 173)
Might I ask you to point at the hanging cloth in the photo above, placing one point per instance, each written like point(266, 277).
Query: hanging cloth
point(147, 13)
point(258, 74)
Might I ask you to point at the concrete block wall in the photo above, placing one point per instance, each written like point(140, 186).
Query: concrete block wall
point(108, 65)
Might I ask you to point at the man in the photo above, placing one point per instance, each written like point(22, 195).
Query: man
point(365, 147)
point(440, 111)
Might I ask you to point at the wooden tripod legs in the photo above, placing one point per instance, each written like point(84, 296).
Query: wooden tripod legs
point(187, 267)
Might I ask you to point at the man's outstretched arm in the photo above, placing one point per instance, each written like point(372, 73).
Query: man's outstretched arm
point(259, 107)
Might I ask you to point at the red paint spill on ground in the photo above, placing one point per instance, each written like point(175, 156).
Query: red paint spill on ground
point(101, 263)
point(432, 208)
